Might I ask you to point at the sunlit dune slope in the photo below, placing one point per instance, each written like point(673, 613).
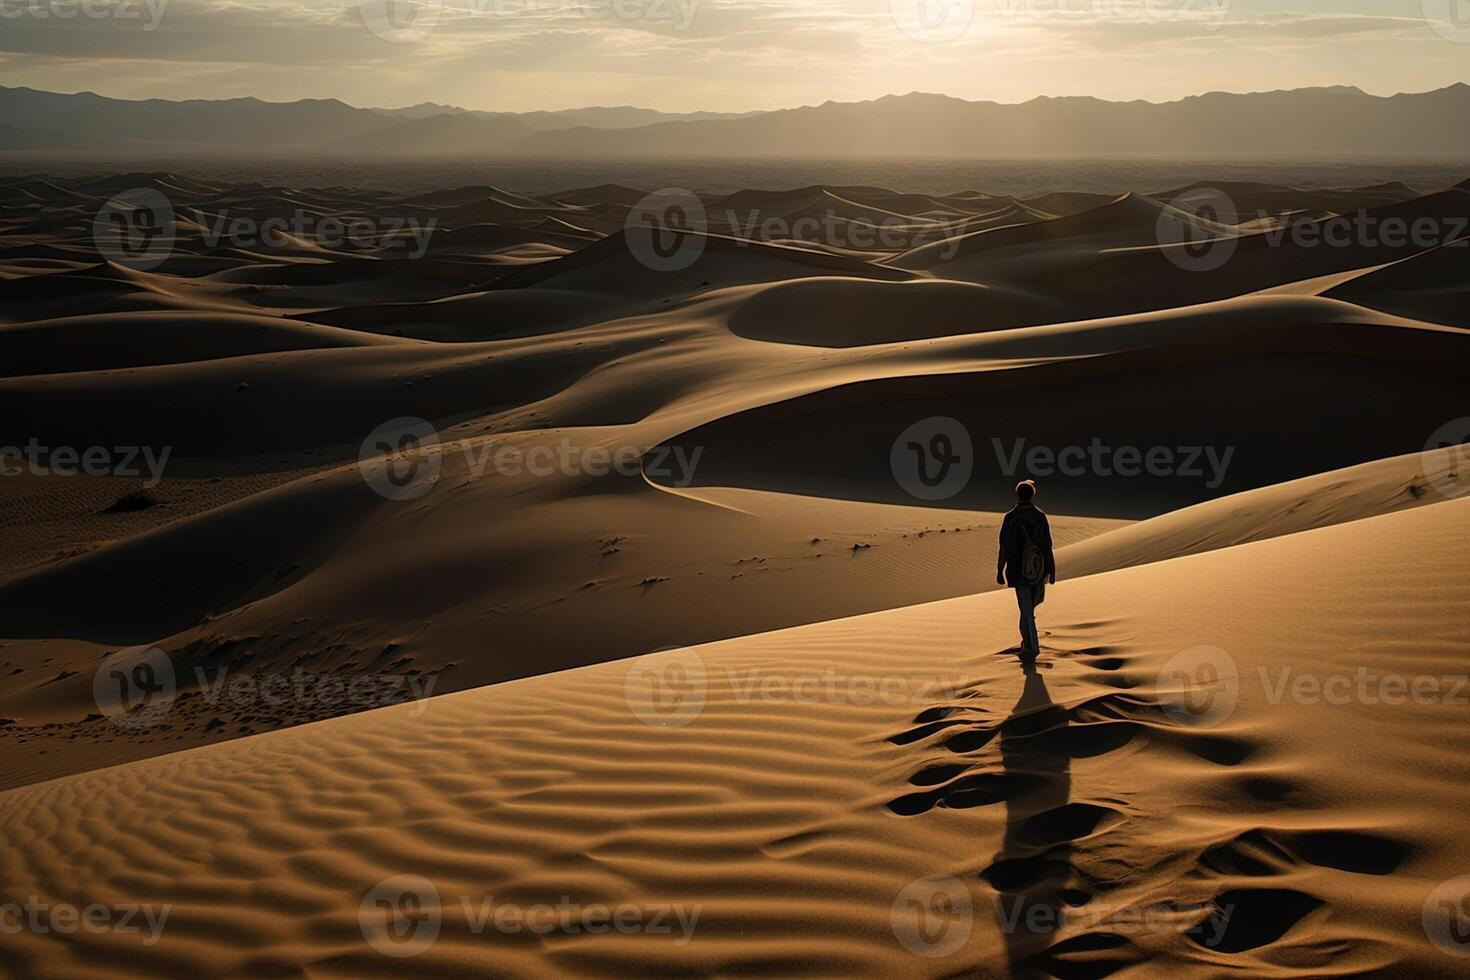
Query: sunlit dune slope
point(1263, 833)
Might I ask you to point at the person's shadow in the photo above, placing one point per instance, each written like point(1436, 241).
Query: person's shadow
point(1032, 871)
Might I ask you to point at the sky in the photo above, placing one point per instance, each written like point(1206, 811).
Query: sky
point(723, 55)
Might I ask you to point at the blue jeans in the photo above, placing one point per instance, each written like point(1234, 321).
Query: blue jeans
point(1026, 596)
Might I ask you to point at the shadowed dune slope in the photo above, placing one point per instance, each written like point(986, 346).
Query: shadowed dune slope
point(832, 312)
point(1215, 409)
point(610, 266)
point(1429, 286)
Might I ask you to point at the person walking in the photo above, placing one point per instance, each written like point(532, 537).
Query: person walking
point(1025, 562)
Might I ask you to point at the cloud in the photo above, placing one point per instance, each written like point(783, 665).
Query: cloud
point(730, 54)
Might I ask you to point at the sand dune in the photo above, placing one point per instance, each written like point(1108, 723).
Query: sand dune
point(1426, 286)
point(339, 433)
point(1341, 496)
point(610, 267)
point(103, 342)
point(1256, 835)
point(1124, 396)
point(1079, 258)
point(850, 312)
point(1132, 219)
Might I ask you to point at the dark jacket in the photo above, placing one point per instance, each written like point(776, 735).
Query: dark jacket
point(1012, 542)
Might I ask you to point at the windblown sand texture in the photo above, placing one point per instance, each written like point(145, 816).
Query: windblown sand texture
point(758, 554)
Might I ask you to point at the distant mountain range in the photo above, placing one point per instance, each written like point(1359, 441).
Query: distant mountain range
point(1313, 120)
point(32, 119)
point(597, 117)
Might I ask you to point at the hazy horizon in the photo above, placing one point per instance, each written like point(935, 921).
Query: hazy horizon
point(1020, 177)
point(735, 56)
point(349, 101)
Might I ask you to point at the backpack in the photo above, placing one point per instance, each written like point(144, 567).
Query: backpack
point(1033, 561)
